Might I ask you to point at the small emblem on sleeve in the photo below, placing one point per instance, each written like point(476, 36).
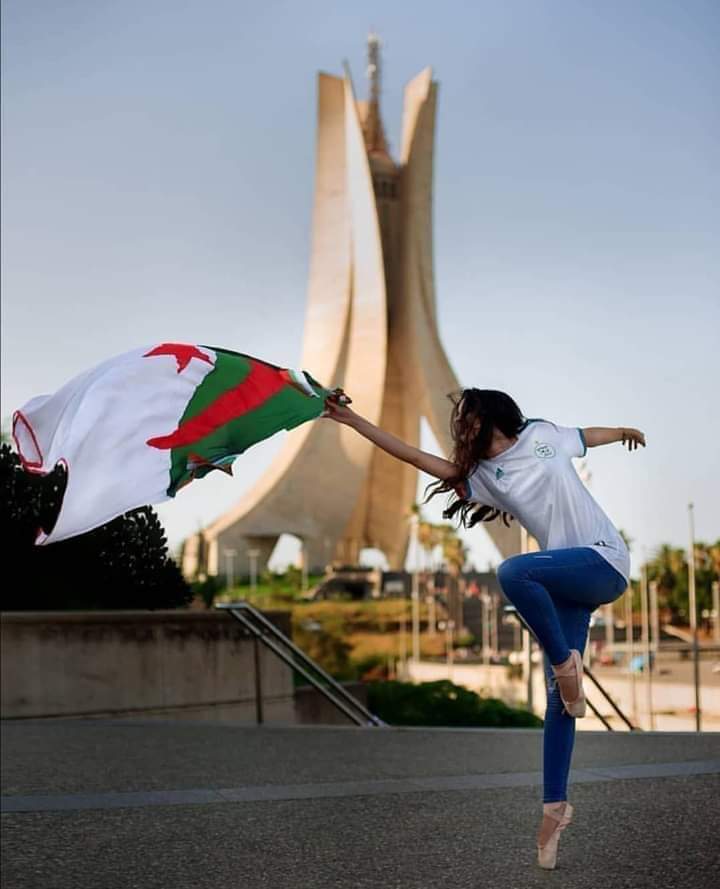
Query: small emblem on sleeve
point(544, 450)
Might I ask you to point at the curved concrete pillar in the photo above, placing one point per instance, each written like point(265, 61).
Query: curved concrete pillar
point(371, 327)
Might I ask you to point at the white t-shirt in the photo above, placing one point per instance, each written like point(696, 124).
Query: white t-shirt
point(535, 481)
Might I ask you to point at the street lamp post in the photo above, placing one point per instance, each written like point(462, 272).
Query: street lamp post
point(494, 624)
point(253, 555)
point(526, 637)
point(654, 630)
point(430, 602)
point(646, 642)
point(630, 645)
point(609, 626)
point(415, 591)
point(403, 642)
point(527, 651)
point(230, 567)
point(304, 566)
point(693, 615)
point(450, 654)
point(485, 601)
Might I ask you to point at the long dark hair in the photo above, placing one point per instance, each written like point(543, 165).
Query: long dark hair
point(475, 413)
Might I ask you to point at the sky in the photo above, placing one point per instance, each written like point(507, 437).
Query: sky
point(158, 164)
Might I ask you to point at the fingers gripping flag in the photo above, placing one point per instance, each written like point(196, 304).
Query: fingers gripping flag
point(137, 428)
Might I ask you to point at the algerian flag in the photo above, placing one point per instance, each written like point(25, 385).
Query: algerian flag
point(137, 428)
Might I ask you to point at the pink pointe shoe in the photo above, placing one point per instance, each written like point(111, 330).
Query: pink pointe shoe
point(561, 815)
point(573, 667)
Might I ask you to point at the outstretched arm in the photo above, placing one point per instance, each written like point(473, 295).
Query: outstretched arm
point(601, 435)
point(437, 466)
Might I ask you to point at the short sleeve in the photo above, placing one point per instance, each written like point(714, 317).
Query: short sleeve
point(477, 491)
point(571, 440)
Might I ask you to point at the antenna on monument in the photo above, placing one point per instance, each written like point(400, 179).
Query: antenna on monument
point(373, 67)
point(374, 135)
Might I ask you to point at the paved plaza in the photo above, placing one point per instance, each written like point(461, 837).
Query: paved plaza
point(138, 803)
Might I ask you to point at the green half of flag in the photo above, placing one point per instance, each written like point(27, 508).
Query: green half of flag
point(241, 402)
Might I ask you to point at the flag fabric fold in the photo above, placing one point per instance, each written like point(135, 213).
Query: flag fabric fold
point(137, 428)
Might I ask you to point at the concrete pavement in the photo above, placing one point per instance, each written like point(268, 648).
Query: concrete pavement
point(108, 804)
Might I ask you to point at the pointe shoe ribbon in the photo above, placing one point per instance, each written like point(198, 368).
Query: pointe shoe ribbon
point(578, 706)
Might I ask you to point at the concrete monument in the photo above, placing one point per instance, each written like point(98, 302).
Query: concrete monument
point(371, 327)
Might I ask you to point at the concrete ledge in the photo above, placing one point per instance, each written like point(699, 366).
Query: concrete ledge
point(313, 708)
point(188, 664)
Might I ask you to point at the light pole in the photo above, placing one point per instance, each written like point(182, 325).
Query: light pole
point(654, 631)
point(229, 567)
point(693, 615)
point(646, 642)
point(609, 626)
point(403, 641)
point(493, 623)
point(430, 602)
point(527, 638)
point(450, 654)
point(716, 609)
point(630, 645)
point(253, 556)
point(527, 651)
point(485, 601)
point(304, 566)
point(415, 590)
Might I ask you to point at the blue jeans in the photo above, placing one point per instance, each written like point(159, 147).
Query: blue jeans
point(556, 591)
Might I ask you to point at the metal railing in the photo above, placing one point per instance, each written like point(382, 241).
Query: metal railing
point(510, 609)
point(263, 630)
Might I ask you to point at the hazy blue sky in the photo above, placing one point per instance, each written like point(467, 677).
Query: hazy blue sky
point(158, 162)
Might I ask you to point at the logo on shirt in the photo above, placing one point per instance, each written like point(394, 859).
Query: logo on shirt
point(544, 451)
point(499, 473)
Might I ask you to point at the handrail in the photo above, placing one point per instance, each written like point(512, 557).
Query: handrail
point(633, 728)
point(262, 629)
point(511, 609)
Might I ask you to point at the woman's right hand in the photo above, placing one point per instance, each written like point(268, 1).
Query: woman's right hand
point(339, 412)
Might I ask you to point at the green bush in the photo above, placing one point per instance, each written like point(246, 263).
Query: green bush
point(442, 703)
point(209, 588)
point(370, 667)
point(123, 564)
point(293, 577)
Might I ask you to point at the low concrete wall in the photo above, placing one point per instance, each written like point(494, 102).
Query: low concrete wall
point(313, 708)
point(179, 664)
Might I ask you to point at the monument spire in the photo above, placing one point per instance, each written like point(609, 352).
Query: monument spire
point(374, 135)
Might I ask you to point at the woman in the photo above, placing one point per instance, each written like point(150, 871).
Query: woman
point(504, 465)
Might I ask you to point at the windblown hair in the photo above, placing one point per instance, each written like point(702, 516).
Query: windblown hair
point(476, 412)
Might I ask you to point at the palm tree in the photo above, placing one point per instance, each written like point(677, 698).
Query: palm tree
point(427, 538)
point(714, 552)
point(454, 550)
point(670, 569)
point(428, 535)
